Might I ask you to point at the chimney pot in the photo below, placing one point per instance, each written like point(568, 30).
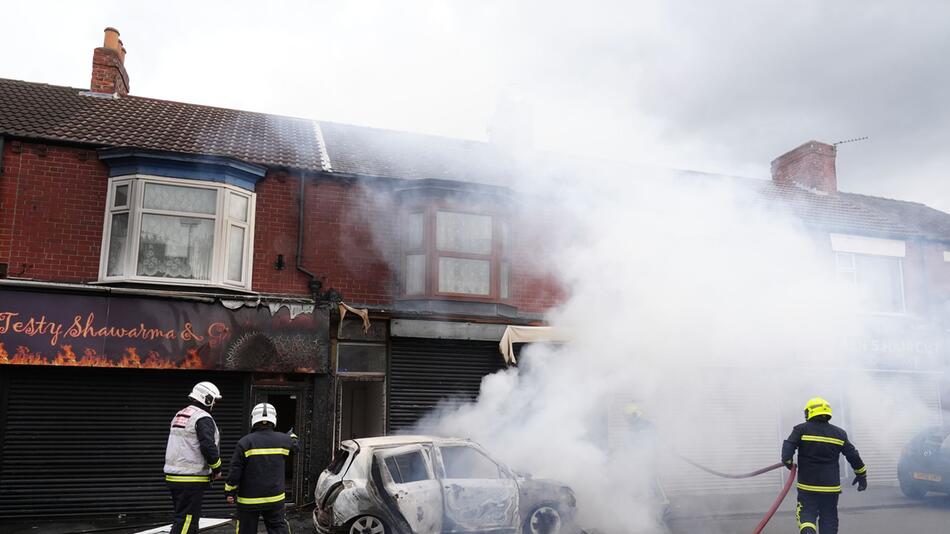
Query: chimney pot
point(811, 165)
point(111, 40)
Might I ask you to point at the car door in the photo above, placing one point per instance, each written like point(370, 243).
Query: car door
point(943, 460)
point(408, 479)
point(478, 494)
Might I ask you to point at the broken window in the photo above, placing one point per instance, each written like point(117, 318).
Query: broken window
point(466, 462)
point(409, 467)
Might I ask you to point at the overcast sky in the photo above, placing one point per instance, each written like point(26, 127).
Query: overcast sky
point(721, 86)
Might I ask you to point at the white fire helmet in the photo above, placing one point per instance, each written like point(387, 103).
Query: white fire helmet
point(206, 393)
point(264, 412)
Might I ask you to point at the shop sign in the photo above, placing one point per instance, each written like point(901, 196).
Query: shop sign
point(117, 331)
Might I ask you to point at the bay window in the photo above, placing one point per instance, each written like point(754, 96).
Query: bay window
point(180, 232)
point(452, 253)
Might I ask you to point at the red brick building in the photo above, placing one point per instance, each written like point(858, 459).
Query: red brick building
point(148, 244)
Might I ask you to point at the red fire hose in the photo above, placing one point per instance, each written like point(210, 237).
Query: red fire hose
point(778, 501)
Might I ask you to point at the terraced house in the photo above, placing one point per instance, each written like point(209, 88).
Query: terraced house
point(353, 277)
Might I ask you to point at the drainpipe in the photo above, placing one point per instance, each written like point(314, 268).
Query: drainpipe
point(314, 285)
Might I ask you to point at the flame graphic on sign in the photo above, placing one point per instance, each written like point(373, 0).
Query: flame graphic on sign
point(91, 358)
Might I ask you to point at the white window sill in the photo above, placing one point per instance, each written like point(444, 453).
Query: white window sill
point(174, 283)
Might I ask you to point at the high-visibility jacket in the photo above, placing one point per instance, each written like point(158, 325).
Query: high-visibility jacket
point(192, 452)
point(819, 444)
point(256, 474)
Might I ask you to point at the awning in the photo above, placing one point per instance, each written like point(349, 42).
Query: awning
point(527, 334)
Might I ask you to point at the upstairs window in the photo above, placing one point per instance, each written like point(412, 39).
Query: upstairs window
point(180, 232)
point(449, 253)
point(874, 268)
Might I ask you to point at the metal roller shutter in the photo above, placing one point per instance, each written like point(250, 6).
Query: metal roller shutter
point(91, 442)
point(423, 372)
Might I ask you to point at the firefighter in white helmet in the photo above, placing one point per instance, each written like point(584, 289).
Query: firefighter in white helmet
point(256, 476)
point(192, 457)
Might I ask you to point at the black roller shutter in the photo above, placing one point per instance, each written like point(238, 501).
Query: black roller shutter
point(91, 442)
point(423, 372)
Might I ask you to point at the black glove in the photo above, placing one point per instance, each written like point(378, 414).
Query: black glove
point(789, 465)
point(861, 481)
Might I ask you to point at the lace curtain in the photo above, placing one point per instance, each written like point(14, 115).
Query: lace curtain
point(175, 247)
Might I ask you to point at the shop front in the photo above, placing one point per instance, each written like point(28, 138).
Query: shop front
point(90, 380)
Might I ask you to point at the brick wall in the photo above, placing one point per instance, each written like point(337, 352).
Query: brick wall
point(52, 201)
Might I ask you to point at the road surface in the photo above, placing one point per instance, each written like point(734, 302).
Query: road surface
point(930, 516)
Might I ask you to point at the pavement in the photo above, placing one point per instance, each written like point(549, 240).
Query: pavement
point(299, 519)
point(685, 509)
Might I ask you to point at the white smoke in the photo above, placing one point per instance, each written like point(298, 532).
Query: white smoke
point(713, 309)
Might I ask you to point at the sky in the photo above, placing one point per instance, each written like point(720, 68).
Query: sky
point(721, 87)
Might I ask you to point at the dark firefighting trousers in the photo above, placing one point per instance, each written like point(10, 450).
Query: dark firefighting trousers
point(187, 499)
point(274, 520)
point(817, 512)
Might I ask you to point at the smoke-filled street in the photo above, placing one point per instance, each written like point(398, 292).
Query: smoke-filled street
point(444, 266)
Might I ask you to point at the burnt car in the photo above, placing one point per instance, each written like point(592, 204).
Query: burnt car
point(924, 464)
point(428, 485)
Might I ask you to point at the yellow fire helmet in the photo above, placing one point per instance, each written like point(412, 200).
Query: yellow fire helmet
point(817, 406)
point(632, 409)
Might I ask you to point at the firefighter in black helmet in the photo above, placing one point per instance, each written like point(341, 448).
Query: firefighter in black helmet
point(819, 444)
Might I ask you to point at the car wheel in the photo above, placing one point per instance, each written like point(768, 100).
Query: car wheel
point(367, 524)
point(910, 488)
point(543, 520)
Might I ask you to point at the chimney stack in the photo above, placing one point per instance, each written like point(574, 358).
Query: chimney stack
point(108, 66)
point(811, 165)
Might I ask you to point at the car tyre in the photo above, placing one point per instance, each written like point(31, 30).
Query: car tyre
point(367, 524)
point(545, 519)
point(910, 488)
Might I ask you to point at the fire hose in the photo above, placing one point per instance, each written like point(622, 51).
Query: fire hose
point(778, 501)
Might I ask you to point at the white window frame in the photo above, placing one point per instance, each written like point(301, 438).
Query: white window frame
point(222, 219)
point(847, 271)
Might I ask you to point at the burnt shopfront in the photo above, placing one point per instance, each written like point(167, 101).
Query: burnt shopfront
point(89, 381)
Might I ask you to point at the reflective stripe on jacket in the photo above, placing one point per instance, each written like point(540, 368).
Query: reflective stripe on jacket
point(819, 444)
point(184, 454)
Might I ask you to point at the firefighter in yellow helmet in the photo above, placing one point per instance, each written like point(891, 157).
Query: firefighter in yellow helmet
point(819, 444)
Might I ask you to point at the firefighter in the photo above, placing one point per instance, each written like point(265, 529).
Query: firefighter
point(819, 444)
point(192, 458)
point(256, 477)
point(640, 446)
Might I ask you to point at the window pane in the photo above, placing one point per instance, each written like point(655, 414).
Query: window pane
point(118, 237)
point(413, 232)
point(121, 195)
point(406, 468)
point(457, 275)
point(466, 462)
point(177, 198)
point(175, 247)
point(354, 358)
point(503, 282)
point(415, 274)
point(880, 283)
point(462, 232)
point(236, 253)
point(238, 207)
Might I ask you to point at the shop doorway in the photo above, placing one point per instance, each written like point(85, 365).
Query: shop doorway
point(288, 401)
point(362, 408)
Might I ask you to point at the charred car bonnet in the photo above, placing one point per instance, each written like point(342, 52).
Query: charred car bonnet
point(428, 485)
